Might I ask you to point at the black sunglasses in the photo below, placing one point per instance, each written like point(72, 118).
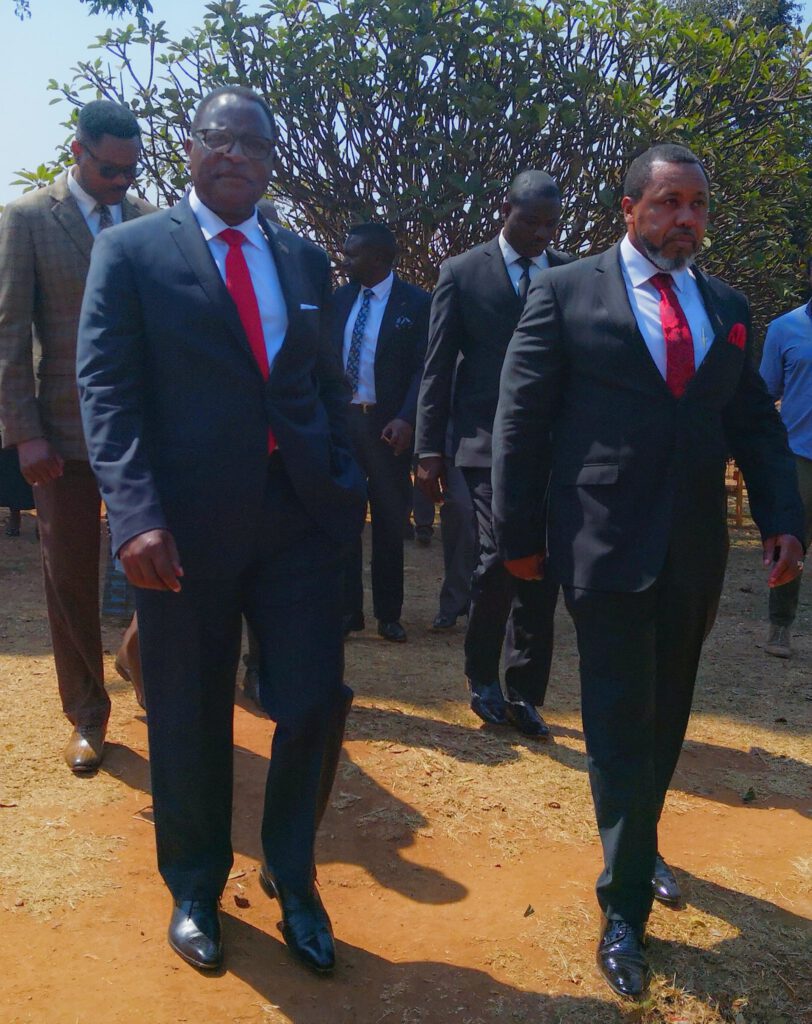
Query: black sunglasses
point(113, 171)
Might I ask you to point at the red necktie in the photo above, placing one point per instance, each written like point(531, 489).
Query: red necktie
point(241, 290)
point(679, 343)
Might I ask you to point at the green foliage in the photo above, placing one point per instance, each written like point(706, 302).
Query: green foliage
point(767, 14)
point(419, 112)
point(139, 8)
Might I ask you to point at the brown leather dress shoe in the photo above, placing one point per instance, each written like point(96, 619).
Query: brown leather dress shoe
point(85, 748)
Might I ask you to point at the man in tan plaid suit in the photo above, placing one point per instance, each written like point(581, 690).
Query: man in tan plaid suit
point(45, 242)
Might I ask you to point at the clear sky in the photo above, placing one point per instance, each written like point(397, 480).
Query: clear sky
point(47, 46)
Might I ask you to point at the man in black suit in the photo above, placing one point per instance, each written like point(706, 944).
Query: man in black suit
point(210, 394)
point(381, 324)
point(476, 305)
point(626, 387)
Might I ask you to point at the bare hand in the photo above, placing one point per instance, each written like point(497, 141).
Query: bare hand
point(785, 555)
point(398, 434)
point(40, 463)
point(151, 561)
point(531, 567)
point(430, 477)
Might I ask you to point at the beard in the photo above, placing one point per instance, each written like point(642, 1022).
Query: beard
point(666, 263)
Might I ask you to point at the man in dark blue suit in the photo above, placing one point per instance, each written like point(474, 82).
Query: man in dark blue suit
point(210, 394)
point(381, 325)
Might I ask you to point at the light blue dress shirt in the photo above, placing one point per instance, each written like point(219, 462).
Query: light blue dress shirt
point(786, 366)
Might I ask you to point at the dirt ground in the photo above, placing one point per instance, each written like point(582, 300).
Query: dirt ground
point(457, 862)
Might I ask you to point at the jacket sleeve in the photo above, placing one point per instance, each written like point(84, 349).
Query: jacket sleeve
point(532, 380)
point(110, 373)
point(757, 440)
point(445, 331)
point(19, 413)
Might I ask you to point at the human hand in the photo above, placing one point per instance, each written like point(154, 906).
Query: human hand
point(40, 462)
point(531, 567)
point(785, 555)
point(398, 435)
point(430, 477)
point(151, 561)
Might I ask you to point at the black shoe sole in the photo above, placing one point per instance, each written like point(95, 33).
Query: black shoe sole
point(671, 904)
point(201, 965)
point(619, 991)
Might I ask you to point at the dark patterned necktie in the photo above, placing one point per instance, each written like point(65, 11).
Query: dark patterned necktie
point(679, 342)
point(105, 217)
point(524, 281)
point(354, 355)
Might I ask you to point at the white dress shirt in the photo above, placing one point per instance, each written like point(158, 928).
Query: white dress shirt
point(87, 204)
point(510, 256)
point(645, 302)
point(264, 276)
point(365, 393)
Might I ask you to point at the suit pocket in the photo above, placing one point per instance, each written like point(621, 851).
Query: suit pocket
point(590, 475)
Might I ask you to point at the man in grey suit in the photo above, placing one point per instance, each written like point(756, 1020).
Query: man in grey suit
point(45, 242)
point(477, 302)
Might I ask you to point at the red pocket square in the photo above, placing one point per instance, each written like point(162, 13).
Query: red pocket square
point(738, 335)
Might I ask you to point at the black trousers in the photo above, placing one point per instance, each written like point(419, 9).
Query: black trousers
point(290, 594)
point(639, 654)
point(390, 493)
point(518, 614)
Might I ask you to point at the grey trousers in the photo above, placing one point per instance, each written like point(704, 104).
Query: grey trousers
point(784, 600)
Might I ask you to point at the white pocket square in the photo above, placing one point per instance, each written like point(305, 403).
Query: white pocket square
point(305, 305)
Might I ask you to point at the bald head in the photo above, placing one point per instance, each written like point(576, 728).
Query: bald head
point(531, 210)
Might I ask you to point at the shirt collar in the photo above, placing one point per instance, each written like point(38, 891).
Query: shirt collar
point(509, 254)
point(211, 225)
point(640, 269)
point(382, 288)
point(86, 203)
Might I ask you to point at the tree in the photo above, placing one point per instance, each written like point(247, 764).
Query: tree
point(767, 14)
point(139, 8)
point(419, 112)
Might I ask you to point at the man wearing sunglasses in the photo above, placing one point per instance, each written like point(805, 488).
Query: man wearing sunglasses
point(45, 242)
point(210, 392)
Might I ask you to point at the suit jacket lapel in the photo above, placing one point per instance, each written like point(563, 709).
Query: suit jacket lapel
point(67, 213)
point(129, 211)
point(612, 290)
point(391, 312)
point(189, 239)
point(502, 284)
point(717, 324)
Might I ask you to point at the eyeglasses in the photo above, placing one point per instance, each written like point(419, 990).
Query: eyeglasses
point(113, 171)
point(255, 147)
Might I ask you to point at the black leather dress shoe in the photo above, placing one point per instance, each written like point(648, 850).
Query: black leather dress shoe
point(621, 959)
point(354, 624)
point(194, 933)
point(306, 927)
point(524, 718)
point(443, 622)
point(666, 887)
point(392, 631)
point(488, 703)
